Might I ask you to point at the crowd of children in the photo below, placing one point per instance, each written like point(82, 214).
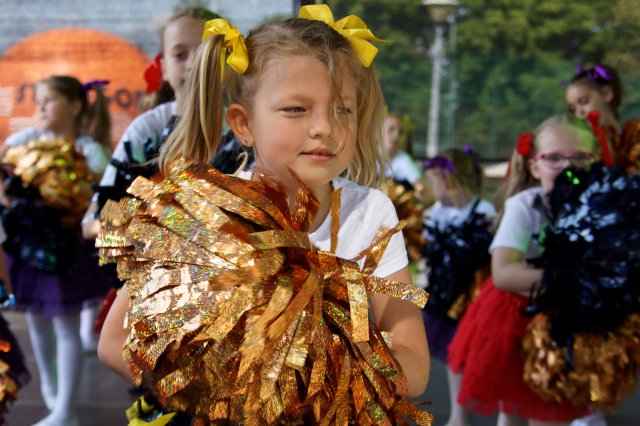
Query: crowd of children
point(279, 290)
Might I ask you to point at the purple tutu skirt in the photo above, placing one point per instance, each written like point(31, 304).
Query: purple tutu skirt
point(440, 332)
point(49, 294)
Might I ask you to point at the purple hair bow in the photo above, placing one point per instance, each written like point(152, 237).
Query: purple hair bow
point(94, 84)
point(440, 162)
point(594, 74)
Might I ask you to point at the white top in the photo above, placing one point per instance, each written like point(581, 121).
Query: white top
point(363, 212)
point(94, 153)
point(3, 235)
point(441, 216)
point(404, 168)
point(148, 125)
point(520, 222)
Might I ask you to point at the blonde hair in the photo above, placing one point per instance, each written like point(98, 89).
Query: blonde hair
point(468, 174)
point(198, 133)
point(520, 177)
point(94, 118)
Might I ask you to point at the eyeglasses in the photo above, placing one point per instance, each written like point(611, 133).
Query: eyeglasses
point(556, 160)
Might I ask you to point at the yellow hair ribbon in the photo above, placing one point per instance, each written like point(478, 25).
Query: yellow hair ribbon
point(233, 42)
point(351, 27)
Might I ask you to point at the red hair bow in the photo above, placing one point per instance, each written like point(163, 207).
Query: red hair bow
point(525, 144)
point(605, 152)
point(153, 75)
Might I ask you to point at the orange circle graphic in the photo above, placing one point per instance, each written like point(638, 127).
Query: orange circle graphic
point(83, 53)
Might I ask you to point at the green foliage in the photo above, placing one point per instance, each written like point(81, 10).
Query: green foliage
point(508, 61)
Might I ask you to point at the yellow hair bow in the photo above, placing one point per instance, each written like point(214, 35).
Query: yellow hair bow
point(351, 27)
point(233, 42)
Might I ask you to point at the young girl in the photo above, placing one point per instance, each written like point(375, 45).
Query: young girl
point(486, 348)
point(457, 242)
point(180, 35)
point(311, 109)
point(53, 299)
point(397, 145)
point(596, 94)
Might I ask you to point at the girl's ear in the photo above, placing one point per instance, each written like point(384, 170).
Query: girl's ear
point(238, 120)
point(76, 108)
point(607, 93)
point(533, 167)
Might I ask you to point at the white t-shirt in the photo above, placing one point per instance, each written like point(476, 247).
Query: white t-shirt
point(441, 216)
point(403, 168)
point(363, 212)
point(520, 222)
point(3, 235)
point(95, 155)
point(148, 125)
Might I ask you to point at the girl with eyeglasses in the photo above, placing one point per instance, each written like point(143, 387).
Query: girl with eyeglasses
point(487, 345)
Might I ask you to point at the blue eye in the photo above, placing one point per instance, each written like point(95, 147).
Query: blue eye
point(293, 109)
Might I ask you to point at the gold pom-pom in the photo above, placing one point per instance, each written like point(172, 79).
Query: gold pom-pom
point(56, 169)
point(236, 317)
point(605, 366)
point(410, 209)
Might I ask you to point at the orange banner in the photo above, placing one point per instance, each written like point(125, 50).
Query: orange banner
point(83, 53)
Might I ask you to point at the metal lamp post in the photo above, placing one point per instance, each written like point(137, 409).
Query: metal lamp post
point(439, 11)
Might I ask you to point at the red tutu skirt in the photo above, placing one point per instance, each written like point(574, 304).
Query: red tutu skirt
point(487, 349)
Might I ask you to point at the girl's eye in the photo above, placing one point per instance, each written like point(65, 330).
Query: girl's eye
point(293, 109)
point(343, 110)
point(583, 101)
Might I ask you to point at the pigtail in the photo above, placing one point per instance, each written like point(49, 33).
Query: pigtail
point(198, 132)
point(97, 119)
point(519, 176)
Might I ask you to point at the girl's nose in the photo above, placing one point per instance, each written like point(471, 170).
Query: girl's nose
point(321, 125)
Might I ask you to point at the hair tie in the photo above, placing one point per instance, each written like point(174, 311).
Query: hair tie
point(593, 119)
point(440, 162)
point(351, 27)
point(153, 75)
point(94, 84)
point(238, 58)
point(524, 147)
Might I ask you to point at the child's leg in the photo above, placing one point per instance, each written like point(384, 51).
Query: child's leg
point(41, 336)
point(511, 420)
point(69, 358)
point(459, 416)
point(539, 423)
point(595, 419)
point(88, 316)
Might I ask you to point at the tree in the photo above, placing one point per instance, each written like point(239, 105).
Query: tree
point(510, 58)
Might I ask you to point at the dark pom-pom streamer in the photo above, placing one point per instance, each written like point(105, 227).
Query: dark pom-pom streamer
point(455, 255)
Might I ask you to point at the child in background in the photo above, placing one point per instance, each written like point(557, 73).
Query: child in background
point(312, 111)
point(596, 94)
point(180, 35)
point(457, 242)
point(397, 145)
point(487, 346)
point(53, 301)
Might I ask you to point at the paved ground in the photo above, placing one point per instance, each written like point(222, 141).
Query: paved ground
point(103, 395)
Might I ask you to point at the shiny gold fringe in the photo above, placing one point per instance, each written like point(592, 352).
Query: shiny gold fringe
point(409, 208)
point(606, 365)
point(236, 317)
point(56, 169)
